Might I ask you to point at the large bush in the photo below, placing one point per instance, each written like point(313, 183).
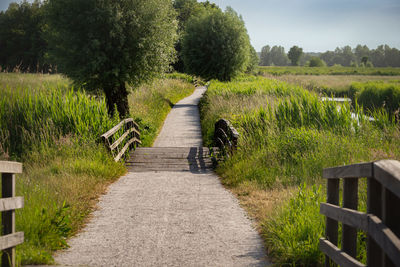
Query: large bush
point(216, 45)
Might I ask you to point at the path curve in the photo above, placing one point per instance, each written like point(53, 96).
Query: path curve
point(175, 218)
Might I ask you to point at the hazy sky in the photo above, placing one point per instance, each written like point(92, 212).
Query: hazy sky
point(319, 25)
point(316, 25)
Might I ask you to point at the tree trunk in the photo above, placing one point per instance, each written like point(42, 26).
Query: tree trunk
point(118, 96)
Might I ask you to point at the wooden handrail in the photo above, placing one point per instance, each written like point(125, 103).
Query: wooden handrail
point(131, 130)
point(381, 222)
point(225, 136)
point(8, 204)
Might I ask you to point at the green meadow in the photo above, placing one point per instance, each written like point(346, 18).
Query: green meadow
point(287, 136)
point(54, 130)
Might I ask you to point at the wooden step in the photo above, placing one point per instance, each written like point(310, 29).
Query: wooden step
point(194, 159)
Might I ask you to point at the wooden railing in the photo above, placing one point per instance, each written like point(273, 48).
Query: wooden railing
point(381, 222)
point(225, 136)
point(130, 132)
point(8, 204)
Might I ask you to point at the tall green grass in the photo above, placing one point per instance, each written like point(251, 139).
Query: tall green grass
point(55, 131)
point(334, 70)
point(29, 118)
point(377, 95)
point(287, 140)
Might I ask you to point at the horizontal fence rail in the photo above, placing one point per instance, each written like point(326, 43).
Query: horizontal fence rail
point(381, 222)
point(225, 136)
point(8, 204)
point(125, 134)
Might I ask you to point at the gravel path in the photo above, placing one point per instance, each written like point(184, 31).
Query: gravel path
point(168, 218)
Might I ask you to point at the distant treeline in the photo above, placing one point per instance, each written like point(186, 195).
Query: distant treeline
point(382, 56)
point(22, 44)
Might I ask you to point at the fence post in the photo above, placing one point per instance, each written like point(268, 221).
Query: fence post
point(350, 201)
point(331, 224)
point(374, 251)
point(8, 217)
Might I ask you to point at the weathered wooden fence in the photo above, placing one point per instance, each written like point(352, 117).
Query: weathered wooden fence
point(381, 222)
point(225, 136)
point(8, 204)
point(130, 130)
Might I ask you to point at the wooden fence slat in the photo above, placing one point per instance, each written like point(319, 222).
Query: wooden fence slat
point(391, 216)
point(114, 129)
point(374, 205)
point(10, 167)
point(387, 172)
point(332, 225)
point(350, 201)
point(11, 203)
point(385, 238)
point(119, 140)
point(121, 153)
point(339, 257)
point(8, 217)
point(347, 216)
point(349, 171)
point(11, 240)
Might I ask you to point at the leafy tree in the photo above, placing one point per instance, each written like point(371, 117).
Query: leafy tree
point(364, 60)
point(278, 56)
point(294, 55)
point(265, 59)
point(106, 44)
point(185, 9)
point(216, 45)
point(329, 58)
point(22, 45)
point(316, 62)
point(253, 61)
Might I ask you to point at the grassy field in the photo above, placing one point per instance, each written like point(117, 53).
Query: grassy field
point(54, 130)
point(287, 136)
point(334, 70)
point(337, 85)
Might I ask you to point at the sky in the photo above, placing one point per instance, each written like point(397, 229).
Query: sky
point(315, 25)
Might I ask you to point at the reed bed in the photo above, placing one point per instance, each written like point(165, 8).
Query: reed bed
point(287, 141)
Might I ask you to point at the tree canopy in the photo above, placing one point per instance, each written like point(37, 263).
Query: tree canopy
point(104, 44)
point(22, 46)
point(273, 56)
point(216, 45)
point(294, 55)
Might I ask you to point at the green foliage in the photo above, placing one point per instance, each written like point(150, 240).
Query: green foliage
point(253, 62)
point(293, 233)
point(32, 117)
point(216, 45)
point(334, 70)
point(54, 131)
point(294, 55)
point(316, 62)
point(274, 56)
point(287, 136)
point(22, 46)
point(382, 56)
point(105, 44)
point(185, 10)
point(376, 95)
